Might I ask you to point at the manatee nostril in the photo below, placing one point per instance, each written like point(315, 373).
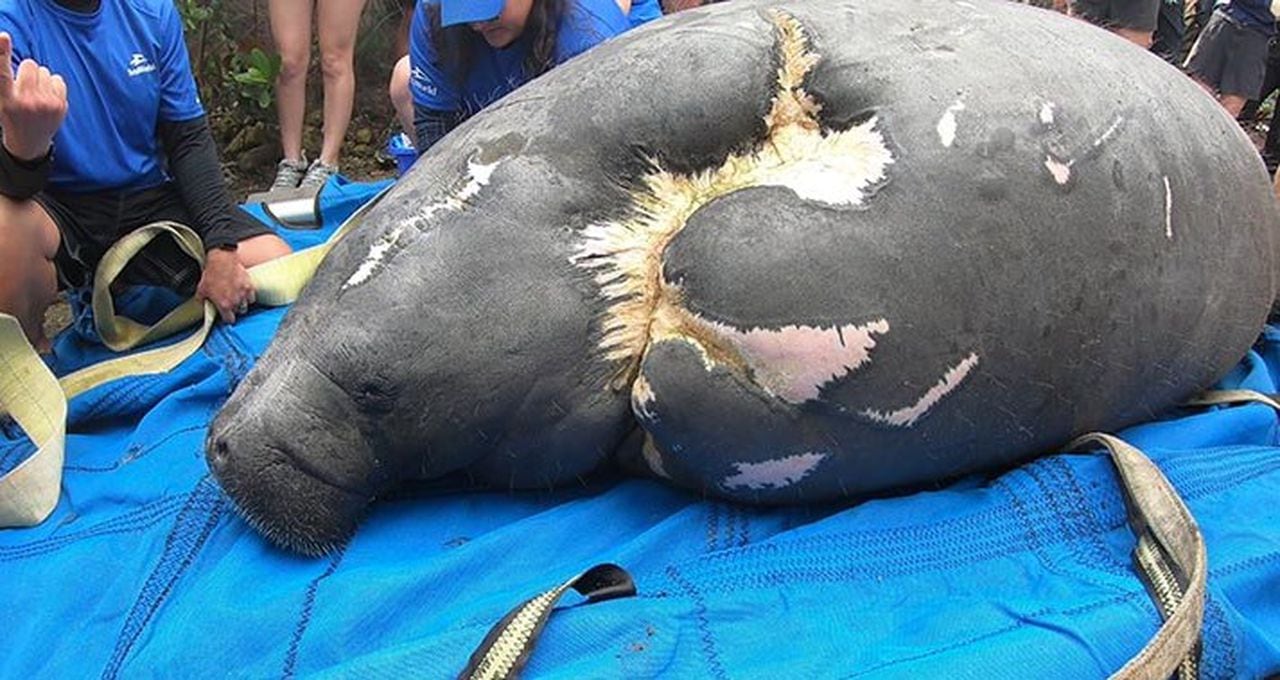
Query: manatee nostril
point(219, 451)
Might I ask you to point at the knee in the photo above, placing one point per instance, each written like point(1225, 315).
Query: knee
point(1142, 39)
point(293, 64)
point(258, 249)
point(26, 231)
point(398, 89)
point(336, 63)
point(28, 245)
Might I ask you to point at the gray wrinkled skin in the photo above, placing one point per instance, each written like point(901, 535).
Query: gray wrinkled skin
point(1069, 236)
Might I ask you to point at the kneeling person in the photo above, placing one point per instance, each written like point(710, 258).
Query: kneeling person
point(1229, 59)
point(134, 148)
point(466, 54)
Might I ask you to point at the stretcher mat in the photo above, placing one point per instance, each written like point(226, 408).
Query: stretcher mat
point(145, 570)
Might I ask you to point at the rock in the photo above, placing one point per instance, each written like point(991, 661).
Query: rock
point(364, 136)
point(248, 138)
point(256, 157)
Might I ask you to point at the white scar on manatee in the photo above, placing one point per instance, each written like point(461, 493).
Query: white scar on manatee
point(377, 251)
point(478, 175)
point(795, 362)
point(907, 416)
point(947, 124)
point(1047, 113)
point(1168, 209)
point(1060, 170)
point(773, 474)
point(834, 167)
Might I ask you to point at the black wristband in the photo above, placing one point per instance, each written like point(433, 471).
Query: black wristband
point(22, 179)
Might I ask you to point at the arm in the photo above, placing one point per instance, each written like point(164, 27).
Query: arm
point(193, 163)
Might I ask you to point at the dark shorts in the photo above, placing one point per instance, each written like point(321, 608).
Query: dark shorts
point(1230, 57)
point(89, 224)
point(1139, 15)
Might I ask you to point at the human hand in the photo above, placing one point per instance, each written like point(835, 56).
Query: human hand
point(33, 103)
point(226, 284)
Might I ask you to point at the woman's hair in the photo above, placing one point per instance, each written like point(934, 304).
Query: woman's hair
point(456, 45)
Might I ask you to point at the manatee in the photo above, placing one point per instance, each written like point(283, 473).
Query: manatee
point(802, 251)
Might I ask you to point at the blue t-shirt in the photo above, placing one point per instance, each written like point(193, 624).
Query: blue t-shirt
point(644, 11)
point(494, 73)
point(126, 70)
point(1255, 14)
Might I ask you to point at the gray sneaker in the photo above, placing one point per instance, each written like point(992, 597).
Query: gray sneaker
point(318, 174)
point(289, 173)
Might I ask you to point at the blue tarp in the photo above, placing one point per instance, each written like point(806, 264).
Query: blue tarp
point(145, 570)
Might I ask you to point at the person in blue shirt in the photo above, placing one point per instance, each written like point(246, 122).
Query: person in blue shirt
point(467, 54)
point(101, 132)
point(1229, 59)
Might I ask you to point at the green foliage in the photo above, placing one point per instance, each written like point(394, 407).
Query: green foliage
point(194, 14)
point(258, 78)
point(235, 76)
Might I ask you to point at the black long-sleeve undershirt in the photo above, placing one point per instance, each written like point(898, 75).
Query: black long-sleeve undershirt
point(21, 179)
point(194, 166)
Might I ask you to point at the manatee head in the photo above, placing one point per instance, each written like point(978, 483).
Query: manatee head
point(309, 438)
point(435, 338)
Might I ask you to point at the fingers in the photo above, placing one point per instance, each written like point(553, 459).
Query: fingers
point(229, 288)
point(34, 79)
point(59, 87)
point(6, 64)
point(227, 312)
point(28, 73)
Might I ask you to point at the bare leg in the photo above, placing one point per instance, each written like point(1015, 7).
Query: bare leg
point(258, 249)
point(338, 21)
point(28, 244)
point(291, 30)
point(1233, 103)
point(401, 99)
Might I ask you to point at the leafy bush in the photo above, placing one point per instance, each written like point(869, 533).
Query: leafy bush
point(257, 81)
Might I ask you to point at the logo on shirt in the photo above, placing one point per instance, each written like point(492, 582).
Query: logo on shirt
point(140, 64)
point(422, 81)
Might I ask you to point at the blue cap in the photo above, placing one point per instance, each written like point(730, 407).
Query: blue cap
point(454, 12)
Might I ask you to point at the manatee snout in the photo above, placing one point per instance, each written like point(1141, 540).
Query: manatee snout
point(289, 451)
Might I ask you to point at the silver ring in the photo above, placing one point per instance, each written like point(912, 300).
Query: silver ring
point(244, 307)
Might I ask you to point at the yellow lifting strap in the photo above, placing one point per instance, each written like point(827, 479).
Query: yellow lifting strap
point(37, 401)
